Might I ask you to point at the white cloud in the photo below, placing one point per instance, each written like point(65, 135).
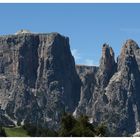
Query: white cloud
point(89, 62)
point(76, 54)
point(81, 60)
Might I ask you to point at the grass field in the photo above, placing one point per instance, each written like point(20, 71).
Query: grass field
point(16, 132)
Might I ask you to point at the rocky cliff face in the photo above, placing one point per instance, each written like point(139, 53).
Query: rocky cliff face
point(87, 77)
point(123, 92)
point(115, 98)
point(39, 82)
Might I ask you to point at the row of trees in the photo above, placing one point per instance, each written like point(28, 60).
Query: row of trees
point(39, 131)
point(80, 127)
point(70, 127)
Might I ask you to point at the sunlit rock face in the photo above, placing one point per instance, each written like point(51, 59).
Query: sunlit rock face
point(107, 66)
point(114, 97)
point(123, 93)
point(38, 80)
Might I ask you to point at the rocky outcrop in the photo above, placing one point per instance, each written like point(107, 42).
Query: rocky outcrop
point(18, 65)
point(57, 84)
point(38, 80)
point(123, 92)
point(114, 97)
point(107, 66)
point(99, 80)
point(87, 77)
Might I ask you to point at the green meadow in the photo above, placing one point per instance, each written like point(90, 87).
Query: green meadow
point(16, 132)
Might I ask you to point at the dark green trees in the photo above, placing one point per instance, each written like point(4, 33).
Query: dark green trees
point(69, 127)
point(39, 131)
point(80, 127)
point(68, 122)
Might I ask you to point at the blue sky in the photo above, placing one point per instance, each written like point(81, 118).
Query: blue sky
point(87, 25)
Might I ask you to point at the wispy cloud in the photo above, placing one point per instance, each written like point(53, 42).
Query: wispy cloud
point(130, 30)
point(89, 62)
point(76, 54)
point(79, 59)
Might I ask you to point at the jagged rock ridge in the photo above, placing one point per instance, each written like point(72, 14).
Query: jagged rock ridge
point(115, 99)
point(39, 82)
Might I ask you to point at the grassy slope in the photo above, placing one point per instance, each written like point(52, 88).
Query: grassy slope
point(16, 132)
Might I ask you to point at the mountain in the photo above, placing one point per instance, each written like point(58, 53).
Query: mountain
point(115, 98)
point(39, 82)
